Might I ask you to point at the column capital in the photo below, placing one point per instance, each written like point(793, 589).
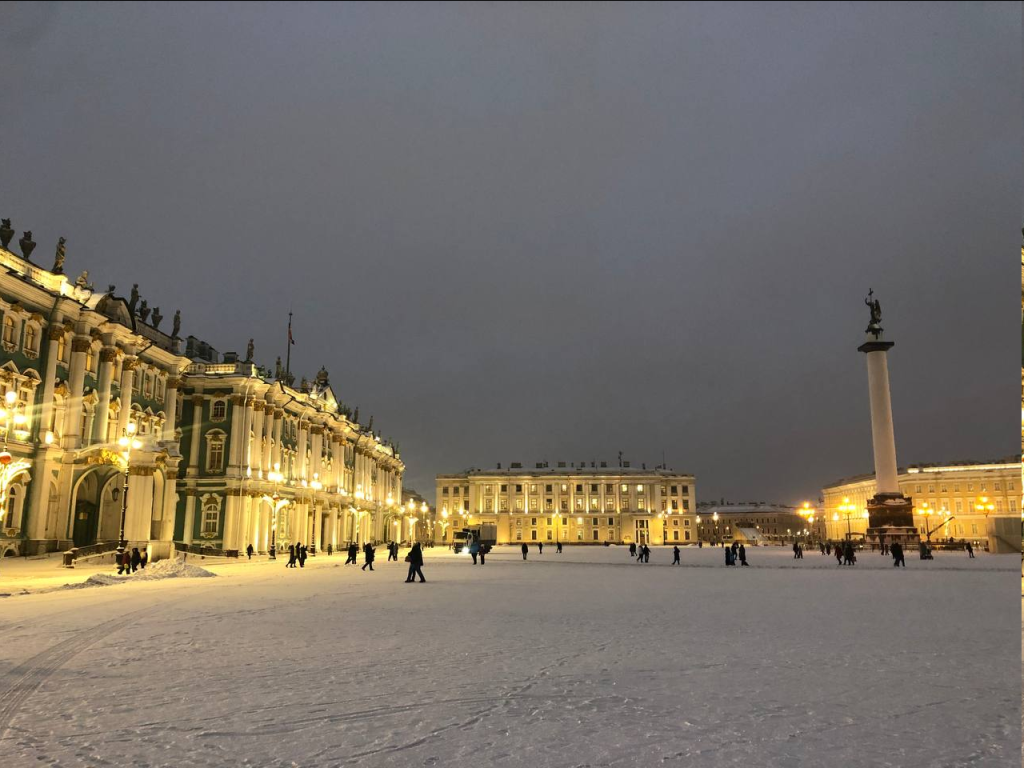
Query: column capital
point(198, 399)
point(81, 344)
point(173, 382)
point(317, 429)
point(258, 406)
point(56, 332)
point(108, 354)
point(130, 363)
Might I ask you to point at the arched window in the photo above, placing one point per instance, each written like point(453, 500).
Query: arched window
point(220, 410)
point(10, 331)
point(211, 516)
point(31, 340)
point(15, 506)
point(215, 451)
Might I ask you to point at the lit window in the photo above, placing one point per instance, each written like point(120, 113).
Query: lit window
point(62, 348)
point(211, 518)
point(31, 340)
point(220, 410)
point(10, 331)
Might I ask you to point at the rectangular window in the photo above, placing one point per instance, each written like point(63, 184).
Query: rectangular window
point(593, 521)
point(998, 486)
point(549, 535)
point(519, 488)
point(533, 521)
point(687, 535)
point(1013, 505)
point(942, 488)
point(488, 488)
point(970, 487)
point(564, 503)
point(533, 505)
point(465, 505)
point(609, 488)
point(216, 455)
point(533, 535)
point(1009, 485)
point(579, 487)
point(519, 505)
point(533, 488)
point(624, 488)
point(504, 488)
point(548, 520)
point(593, 487)
point(675, 535)
point(547, 489)
point(974, 527)
point(595, 503)
point(956, 487)
point(673, 490)
point(549, 504)
point(211, 520)
point(959, 506)
point(611, 521)
point(595, 534)
point(503, 504)
point(579, 503)
point(609, 504)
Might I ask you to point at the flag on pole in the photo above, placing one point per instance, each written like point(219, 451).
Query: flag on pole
point(290, 339)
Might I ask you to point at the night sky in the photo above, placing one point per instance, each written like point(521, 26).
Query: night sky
point(556, 232)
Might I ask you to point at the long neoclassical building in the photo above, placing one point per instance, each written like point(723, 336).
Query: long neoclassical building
point(228, 453)
point(583, 503)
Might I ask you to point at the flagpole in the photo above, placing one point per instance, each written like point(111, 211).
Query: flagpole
point(288, 354)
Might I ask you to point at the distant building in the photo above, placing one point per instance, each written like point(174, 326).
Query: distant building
point(977, 502)
point(584, 504)
point(750, 522)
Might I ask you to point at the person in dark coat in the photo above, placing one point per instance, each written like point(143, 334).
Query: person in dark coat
point(558, 548)
point(393, 552)
point(474, 550)
point(970, 550)
point(849, 557)
point(330, 549)
point(248, 551)
point(353, 550)
point(526, 550)
point(136, 559)
point(145, 558)
point(839, 554)
point(484, 549)
point(897, 555)
point(123, 562)
point(540, 547)
point(368, 555)
point(301, 554)
point(675, 556)
point(828, 547)
point(647, 554)
point(415, 558)
point(743, 555)
point(728, 556)
point(632, 550)
point(291, 556)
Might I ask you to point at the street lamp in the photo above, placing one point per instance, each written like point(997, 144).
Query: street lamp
point(715, 518)
point(277, 503)
point(127, 442)
point(9, 466)
point(315, 486)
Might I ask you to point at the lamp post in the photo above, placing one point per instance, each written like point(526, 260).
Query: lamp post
point(715, 518)
point(127, 442)
point(9, 466)
point(277, 503)
point(314, 486)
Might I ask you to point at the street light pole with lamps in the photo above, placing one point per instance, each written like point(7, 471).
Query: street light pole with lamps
point(127, 442)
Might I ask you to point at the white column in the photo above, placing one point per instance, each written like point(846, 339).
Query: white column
point(127, 381)
point(101, 420)
point(169, 501)
point(318, 451)
point(333, 529)
point(883, 438)
point(198, 404)
point(190, 517)
point(55, 332)
point(171, 407)
point(73, 407)
point(256, 452)
point(278, 424)
point(300, 452)
point(236, 442)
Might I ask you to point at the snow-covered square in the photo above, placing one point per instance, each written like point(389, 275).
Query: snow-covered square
point(584, 658)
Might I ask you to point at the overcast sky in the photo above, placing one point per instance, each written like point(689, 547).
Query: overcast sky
point(556, 232)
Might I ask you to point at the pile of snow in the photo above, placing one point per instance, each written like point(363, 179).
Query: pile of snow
point(170, 569)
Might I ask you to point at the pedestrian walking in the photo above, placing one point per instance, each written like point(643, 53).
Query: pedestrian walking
point(849, 556)
point(729, 559)
point(526, 549)
point(144, 559)
point(302, 554)
point(970, 550)
point(474, 550)
point(839, 554)
point(484, 549)
point(897, 555)
point(368, 555)
point(330, 549)
point(540, 547)
point(248, 551)
point(558, 548)
point(291, 556)
point(415, 560)
point(647, 554)
point(135, 559)
point(828, 548)
point(632, 550)
point(743, 555)
point(353, 550)
point(675, 556)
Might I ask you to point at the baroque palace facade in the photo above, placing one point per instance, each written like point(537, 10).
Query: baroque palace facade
point(573, 505)
point(228, 454)
point(971, 501)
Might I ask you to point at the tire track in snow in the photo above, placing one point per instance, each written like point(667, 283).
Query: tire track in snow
point(36, 670)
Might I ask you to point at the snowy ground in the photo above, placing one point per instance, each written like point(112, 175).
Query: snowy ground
point(579, 659)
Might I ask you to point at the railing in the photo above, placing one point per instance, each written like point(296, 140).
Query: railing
point(213, 368)
point(204, 550)
point(89, 550)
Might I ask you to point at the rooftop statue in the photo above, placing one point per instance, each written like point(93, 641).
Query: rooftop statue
point(176, 329)
point(250, 350)
point(27, 244)
point(144, 310)
point(82, 281)
point(157, 317)
point(133, 301)
point(58, 261)
point(876, 314)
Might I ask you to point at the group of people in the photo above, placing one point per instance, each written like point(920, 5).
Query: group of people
point(297, 554)
point(736, 552)
point(130, 562)
point(642, 553)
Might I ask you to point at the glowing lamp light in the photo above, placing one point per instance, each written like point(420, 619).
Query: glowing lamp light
point(5, 458)
point(10, 396)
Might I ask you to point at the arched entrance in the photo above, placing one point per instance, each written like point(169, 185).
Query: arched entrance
point(96, 505)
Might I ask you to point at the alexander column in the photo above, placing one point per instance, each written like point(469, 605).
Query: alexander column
point(890, 513)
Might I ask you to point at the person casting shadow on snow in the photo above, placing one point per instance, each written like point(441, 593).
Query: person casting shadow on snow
point(526, 550)
point(353, 550)
point(248, 551)
point(415, 560)
point(368, 556)
point(675, 556)
point(849, 556)
point(632, 550)
point(897, 555)
point(743, 555)
point(291, 556)
point(540, 547)
point(302, 554)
